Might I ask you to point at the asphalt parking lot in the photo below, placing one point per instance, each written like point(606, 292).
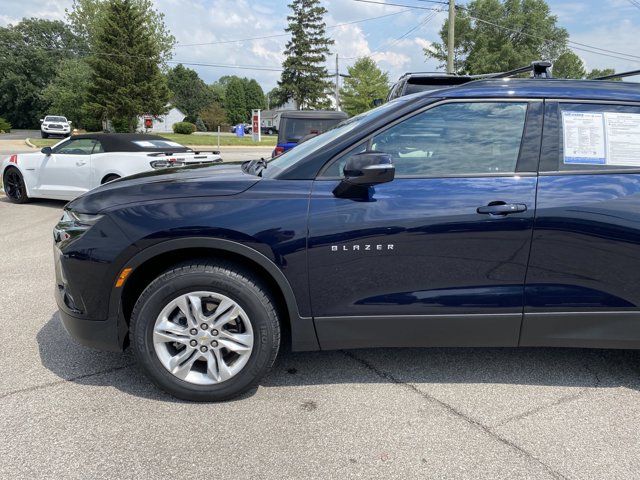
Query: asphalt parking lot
point(70, 412)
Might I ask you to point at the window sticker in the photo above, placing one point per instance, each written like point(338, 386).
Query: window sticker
point(584, 138)
point(622, 138)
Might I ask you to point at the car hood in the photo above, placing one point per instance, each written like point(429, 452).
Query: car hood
point(197, 181)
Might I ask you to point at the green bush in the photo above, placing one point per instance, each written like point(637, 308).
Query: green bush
point(5, 127)
point(185, 128)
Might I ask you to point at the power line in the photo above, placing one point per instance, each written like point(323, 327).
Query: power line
point(635, 3)
point(222, 65)
point(404, 35)
point(581, 46)
point(240, 40)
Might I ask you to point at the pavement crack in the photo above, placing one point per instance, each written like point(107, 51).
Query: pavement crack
point(533, 411)
point(62, 381)
point(454, 411)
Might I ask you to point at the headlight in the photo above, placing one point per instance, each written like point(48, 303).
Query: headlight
point(73, 224)
point(166, 164)
point(84, 219)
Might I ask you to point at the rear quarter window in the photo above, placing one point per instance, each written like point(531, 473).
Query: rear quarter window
point(594, 137)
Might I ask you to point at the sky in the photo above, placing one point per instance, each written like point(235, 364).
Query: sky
point(215, 32)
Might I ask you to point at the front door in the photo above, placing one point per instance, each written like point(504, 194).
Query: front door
point(66, 173)
point(439, 255)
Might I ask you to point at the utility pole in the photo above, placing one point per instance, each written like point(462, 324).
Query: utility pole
point(451, 39)
point(337, 83)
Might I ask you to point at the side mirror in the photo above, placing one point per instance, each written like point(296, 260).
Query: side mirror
point(41, 120)
point(46, 150)
point(368, 169)
point(69, 122)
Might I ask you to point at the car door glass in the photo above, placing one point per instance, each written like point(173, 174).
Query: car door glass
point(594, 137)
point(336, 169)
point(97, 148)
point(81, 146)
point(456, 139)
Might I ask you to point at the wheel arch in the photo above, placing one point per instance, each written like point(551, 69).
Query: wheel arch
point(24, 177)
point(103, 180)
point(150, 262)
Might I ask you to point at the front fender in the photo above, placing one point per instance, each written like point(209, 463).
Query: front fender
point(302, 329)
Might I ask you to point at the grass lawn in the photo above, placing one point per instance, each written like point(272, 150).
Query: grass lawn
point(209, 140)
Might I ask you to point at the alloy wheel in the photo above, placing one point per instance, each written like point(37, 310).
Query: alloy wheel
point(203, 338)
point(13, 186)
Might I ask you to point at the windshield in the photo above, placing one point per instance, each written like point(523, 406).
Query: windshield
point(55, 119)
point(291, 157)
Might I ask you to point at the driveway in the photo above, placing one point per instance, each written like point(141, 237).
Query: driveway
point(71, 412)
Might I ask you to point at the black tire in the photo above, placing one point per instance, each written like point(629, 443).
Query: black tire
point(110, 178)
point(269, 132)
point(44, 135)
point(219, 277)
point(14, 187)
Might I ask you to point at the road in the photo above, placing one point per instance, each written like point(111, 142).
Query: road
point(20, 134)
point(71, 412)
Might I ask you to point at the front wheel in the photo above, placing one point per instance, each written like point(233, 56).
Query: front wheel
point(44, 135)
point(205, 331)
point(14, 187)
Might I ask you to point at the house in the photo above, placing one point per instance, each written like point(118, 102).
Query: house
point(271, 118)
point(161, 123)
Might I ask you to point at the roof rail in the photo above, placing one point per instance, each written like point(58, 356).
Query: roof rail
point(539, 69)
point(630, 73)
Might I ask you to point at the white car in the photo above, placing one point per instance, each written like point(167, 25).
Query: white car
point(55, 125)
point(82, 162)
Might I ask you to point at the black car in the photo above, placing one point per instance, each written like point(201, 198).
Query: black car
point(415, 82)
point(501, 213)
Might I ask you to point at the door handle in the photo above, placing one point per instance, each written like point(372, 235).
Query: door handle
point(502, 208)
point(80, 163)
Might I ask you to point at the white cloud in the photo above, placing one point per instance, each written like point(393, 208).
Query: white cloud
point(623, 41)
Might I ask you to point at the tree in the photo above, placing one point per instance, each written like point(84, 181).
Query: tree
point(305, 76)
point(68, 91)
point(217, 92)
point(366, 83)
point(87, 16)
point(214, 116)
point(235, 101)
point(29, 53)
point(569, 65)
point(276, 98)
point(500, 35)
point(254, 95)
point(126, 81)
point(189, 93)
point(595, 73)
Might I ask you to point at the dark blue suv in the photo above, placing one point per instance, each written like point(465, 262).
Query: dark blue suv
point(503, 213)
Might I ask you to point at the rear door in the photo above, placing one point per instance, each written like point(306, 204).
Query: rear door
point(66, 173)
point(583, 283)
point(422, 260)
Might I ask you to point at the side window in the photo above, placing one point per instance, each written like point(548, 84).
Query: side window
point(81, 146)
point(598, 137)
point(98, 147)
point(456, 139)
point(336, 169)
